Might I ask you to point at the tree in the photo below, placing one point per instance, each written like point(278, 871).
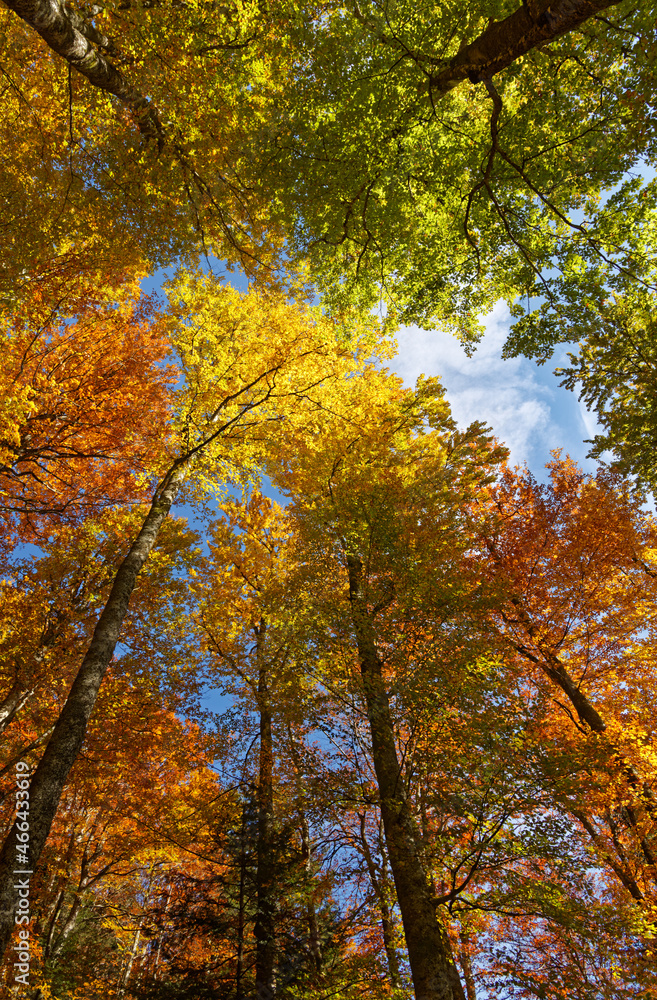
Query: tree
point(248, 362)
point(151, 166)
point(431, 156)
point(610, 319)
point(428, 154)
point(375, 506)
point(484, 606)
point(250, 613)
point(576, 560)
point(246, 557)
point(435, 602)
point(133, 814)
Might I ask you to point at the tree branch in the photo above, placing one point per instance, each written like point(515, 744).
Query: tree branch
point(72, 39)
point(503, 42)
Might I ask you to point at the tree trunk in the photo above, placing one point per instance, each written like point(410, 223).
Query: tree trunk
point(241, 914)
point(127, 972)
point(265, 924)
point(466, 965)
point(69, 35)
point(535, 23)
point(545, 658)
point(69, 925)
point(160, 939)
point(590, 718)
point(69, 732)
point(314, 936)
point(52, 923)
point(623, 870)
point(13, 703)
point(314, 942)
point(387, 923)
point(124, 981)
point(435, 976)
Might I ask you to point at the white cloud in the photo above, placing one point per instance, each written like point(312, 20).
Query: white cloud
point(521, 401)
point(589, 421)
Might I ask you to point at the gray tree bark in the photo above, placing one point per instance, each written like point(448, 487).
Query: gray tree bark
point(13, 703)
point(387, 923)
point(73, 39)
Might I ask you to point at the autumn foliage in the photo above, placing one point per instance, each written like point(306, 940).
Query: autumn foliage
point(311, 694)
point(85, 401)
point(422, 634)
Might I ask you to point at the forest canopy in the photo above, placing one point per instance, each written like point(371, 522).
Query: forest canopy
point(428, 766)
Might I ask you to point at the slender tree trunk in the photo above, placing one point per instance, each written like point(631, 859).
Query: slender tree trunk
point(466, 965)
point(435, 976)
point(158, 953)
point(125, 978)
point(47, 948)
point(314, 937)
point(241, 915)
point(265, 924)
point(311, 914)
point(69, 926)
point(13, 703)
point(127, 972)
point(623, 871)
point(387, 924)
point(589, 718)
point(69, 732)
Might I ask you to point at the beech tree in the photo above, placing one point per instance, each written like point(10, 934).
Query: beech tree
point(49, 610)
point(577, 558)
point(435, 158)
point(526, 827)
point(122, 831)
point(518, 814)
point(229, 392)
point(443, 157)
point(477, 649)
point(133, 143)
point(240, 639)
point(250, 615)
point(366, 500)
